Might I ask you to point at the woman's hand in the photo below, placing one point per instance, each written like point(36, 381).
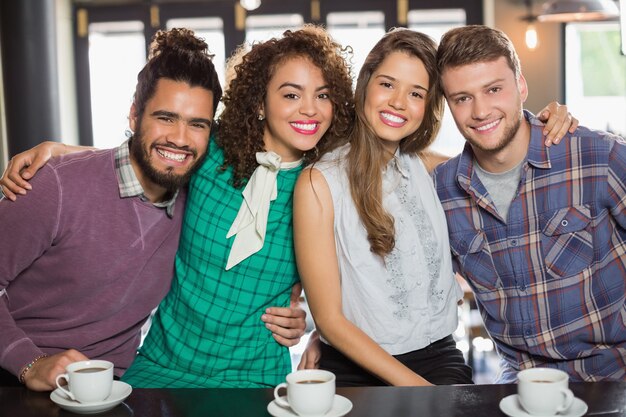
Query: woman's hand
point(558, 122)
point(24, 165)
point(312, 354)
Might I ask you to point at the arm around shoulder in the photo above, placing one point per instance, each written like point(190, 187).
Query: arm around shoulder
point(23, 166)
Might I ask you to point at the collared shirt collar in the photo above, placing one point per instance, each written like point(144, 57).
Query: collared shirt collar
point(398, 164)
point(466, 165)
point(128, 183)
point(538, 153)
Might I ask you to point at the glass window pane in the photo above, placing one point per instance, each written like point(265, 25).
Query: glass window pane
point(112, 86)
point(622, 24)
point(595, 75)
point(360, 30)
point(262, 27)
point(435, 22)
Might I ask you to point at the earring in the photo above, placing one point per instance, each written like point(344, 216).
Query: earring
point(260, 117)
point(128, 133)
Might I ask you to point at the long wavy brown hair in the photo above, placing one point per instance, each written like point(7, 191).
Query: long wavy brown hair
point(367, 156)
point(241, 133)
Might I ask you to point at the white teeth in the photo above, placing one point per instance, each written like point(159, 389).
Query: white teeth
point(303, 126)
point(488, 126)
point(392, 118)
point(171, 155)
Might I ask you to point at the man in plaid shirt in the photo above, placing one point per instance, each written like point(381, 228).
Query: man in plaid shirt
point(539, 233)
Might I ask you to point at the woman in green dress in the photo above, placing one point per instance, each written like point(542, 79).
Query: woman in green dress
point(235, 256)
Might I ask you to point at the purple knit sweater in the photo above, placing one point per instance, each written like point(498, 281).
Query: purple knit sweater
point(82, 267)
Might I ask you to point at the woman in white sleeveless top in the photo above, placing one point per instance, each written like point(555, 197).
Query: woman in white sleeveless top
point(371, 236)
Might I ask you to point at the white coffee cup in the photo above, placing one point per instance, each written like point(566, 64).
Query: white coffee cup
point(310, 392)
point(87, 381)
point(544, 391)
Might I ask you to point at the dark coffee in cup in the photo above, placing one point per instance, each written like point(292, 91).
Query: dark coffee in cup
point(544, 391)
point(90, 370)
point(310, 392)
point(87, 381)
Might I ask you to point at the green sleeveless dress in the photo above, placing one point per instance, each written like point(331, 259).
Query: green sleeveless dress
point(208, 332)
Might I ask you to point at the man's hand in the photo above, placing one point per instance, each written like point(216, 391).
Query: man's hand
point(287, 324)
point(312, 354)
point(42, 375)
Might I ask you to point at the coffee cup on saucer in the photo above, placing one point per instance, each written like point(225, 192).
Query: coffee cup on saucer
point(544, 391)
point(310, 392)
point(87, 381)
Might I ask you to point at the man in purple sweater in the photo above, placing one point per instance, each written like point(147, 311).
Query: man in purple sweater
point(89, 252)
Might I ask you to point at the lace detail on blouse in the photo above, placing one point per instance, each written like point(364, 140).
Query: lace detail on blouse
point(391, 298)
point(396, 281)
point(424, 229)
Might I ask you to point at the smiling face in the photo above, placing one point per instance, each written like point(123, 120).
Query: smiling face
point(171, 138)
point(395, 98)
point(486, 102)
point(297, 108)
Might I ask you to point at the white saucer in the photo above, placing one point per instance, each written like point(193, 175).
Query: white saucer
point(341, 407)
point(119, 392)
point(511, 407)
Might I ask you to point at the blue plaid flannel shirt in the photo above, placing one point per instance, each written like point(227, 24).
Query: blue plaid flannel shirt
point(550, 281)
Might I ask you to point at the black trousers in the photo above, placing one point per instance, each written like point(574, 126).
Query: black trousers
point(440, 363)
point(7, 379)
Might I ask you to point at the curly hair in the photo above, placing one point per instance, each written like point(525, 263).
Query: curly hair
point(179, 55)
point(367, 155)
point(241, 133)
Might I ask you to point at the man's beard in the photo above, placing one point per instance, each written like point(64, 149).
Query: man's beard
point(507, 138)
point(168, 179)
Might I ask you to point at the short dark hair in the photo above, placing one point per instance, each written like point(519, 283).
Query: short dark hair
point(177, 54)
point(476, 43)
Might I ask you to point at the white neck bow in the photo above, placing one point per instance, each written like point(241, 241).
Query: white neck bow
point(250, 225)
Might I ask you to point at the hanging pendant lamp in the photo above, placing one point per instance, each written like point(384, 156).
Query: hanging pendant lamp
point(578, 10)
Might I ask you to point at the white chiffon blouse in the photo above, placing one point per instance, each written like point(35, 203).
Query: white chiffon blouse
point(407, 300)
